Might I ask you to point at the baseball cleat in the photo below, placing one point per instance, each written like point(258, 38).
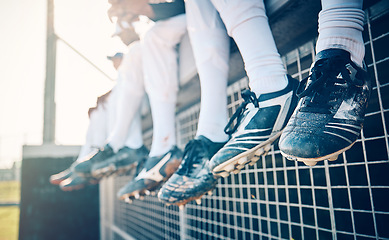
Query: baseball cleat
point(330, 113)
point(193, 179)
point(120, 163)
point(75, 182)
point(56, 179)
point(83, 167)
point(259, 123)
point(155, 172)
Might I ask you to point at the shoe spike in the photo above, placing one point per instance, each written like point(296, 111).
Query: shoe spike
point(243, 160)
point(333, 158)
point(254, 160)
point(147, 192)
point(181, 207)
point(136, 195)
point(210, 192)
point(198, 201)
point(239, 167)
point(267, 148)
point(229, 168)
point(259, 152)
point(224, 174)
point(310, 163)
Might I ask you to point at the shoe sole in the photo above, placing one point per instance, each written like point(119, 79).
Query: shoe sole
point(138, 194)
point(181, 204)
point(251, 156)
point(73, 188)
point(313, 161)
point(112, 170)
point(57, 182)
point(150, 189)
point(79, 187)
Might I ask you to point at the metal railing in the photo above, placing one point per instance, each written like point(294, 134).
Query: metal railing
point(277, 198)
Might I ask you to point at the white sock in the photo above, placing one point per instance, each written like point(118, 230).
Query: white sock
point(134, 137)
point(263, 63)
point(96, 134)
point(247, 23)
point(125, 115)
point(212, 59)
point(129, 93)
point(341, 26)
point(213, 112)
point(164, 135)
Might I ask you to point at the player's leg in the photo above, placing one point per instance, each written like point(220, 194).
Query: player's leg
point(95, 138)
point(160, 67)
point(126, 137)
point(210, 44)
point(129, 93)
point(271, 99)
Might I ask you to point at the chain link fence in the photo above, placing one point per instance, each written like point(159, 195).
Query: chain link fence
point(277, 198)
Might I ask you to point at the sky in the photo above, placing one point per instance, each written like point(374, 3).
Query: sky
point(83, 24)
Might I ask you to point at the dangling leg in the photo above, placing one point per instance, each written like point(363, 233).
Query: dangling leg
point(271, 101)
point(210, 44)
point(159, 56)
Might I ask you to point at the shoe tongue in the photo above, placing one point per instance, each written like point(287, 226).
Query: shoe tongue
point(124, 149)
point(212, 147)
point(330, 53)
point(204, 139)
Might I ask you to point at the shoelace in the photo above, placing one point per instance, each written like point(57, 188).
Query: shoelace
point(324, 84)
point(193, 153)
point(248, 97)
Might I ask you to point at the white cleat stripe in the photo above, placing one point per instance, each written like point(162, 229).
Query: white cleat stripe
point(346, 139)
point(237, 148)
point(344, 129)
point(153, 173)
point(345, 124)
point(244, 142)
point(253, 138)
point(254, 130)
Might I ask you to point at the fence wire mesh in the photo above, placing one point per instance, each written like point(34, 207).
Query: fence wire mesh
point(277, 198)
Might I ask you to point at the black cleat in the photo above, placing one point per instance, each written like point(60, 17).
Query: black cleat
point(193, 179)
point(139, 168)
point(75, 182)
point(120, 163)
point(155, 172)
point(259, 123)
point(330, 114)
point(84, 166)
point(56, 179)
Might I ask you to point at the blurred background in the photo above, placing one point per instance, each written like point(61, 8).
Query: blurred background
point(84, 26)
